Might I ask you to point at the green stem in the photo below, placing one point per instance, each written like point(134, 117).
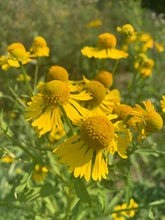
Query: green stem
point(36, 74)
point(66, 118)
point(30, 91)
point(26, 150)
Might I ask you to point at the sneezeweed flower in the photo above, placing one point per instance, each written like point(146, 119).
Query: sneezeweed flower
point(16, 54)
point(123, 112)
point(98, 135)
point(102, 99)
point(129, 214)
point(57, 73)
point(163, 103)
point(39, 47)
point(144, 42)
point(158, 47)
point(40, 173)
point(8, 158)
point(94, 23)
point(148, 121)
point(44, 108)
point(129, 40)
point(105, 78)
point(144, 65)
point(21, 77)
point(127, 29)
point(106, 44)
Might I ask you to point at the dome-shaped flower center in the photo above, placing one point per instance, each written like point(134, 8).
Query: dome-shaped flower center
point(55, 91)
point(57, 73)
point(128, 29)
point(14, 46)
point(122, 111)
point(19, 53)
point(97, 91)
point(39, 42)
point(97, 132)
point(105, 78)
point(106, 40)
point(148, 63)
point(153, 122)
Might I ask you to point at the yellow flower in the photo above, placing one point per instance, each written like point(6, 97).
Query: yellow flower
point(16, 53)
point(163, 103)
point(44, 109)
point(8, 158)
point(158, 47)
point(97, 135)
point(105, 78)
point(40, 173)
point(105, 48)
point(129, 214)
point(94, 23)
point(147, 121)
point(21, 77)
point(39, 47)
point(124, 111)
point(57, 73)
point(144, 65)
point(127, 29)
point(102, 99)
point(145, 42)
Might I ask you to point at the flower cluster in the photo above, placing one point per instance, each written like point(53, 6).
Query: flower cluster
point(99, 125)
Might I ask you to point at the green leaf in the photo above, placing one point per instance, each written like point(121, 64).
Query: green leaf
point(81, 191)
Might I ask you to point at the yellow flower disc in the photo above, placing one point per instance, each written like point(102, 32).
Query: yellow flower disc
point(105, 78)
point(122, 111)
point(97, 91)
point(19, 54)
point(39, 42)
point(14, 46)
point(55, 91)
point(106, 41)
point(57, 73)
point(97, 132)
point(153, 122)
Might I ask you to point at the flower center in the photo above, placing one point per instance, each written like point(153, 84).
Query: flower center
point(39, 42)
point(105, 78)
point(19, 54)
point(57, 73)
point(106, 40)
point(97, 132)
point(14, 46)
point(97, 91)
point(153, 122)
point(122, 111)
point(55, 91)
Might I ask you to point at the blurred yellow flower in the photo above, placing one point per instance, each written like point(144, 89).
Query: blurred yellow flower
point(144, 42)
point(40, 173)
point(163, 103)
point(16, 53)
point(39, 47)
point(158, 47)
point(57, 73)
point(8, 158)
point(144, 65)
point(97, 134)
point(21, 77)
point(106, 44)
point(105, 78)
point(44, 108)
point(94, 23)
point(129, 214)
point(127, 29)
